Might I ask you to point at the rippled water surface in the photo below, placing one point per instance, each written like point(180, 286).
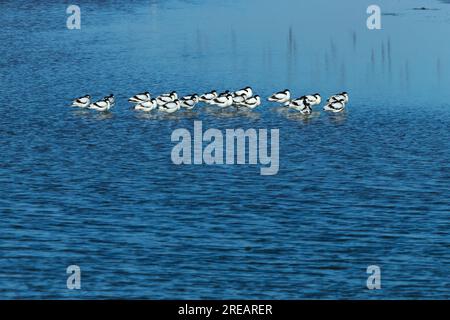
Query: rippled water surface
point(366, 187)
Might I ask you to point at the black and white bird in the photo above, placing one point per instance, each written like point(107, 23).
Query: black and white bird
point(140, 97)
point(194, 97)
point(343, 96)
point(301, 105)
point(111, 99)
point(221, 95)
point(239, 99)
point(164, 98)
point(82, 102)
point(223, 101)
point(299, 101)
point(335, 106)
point(247, 92)
point(281, 97)
point(170, 107)
point(146, 106)
point(252, 102)
point(101, 105)
point(173, 95)
point(188, 103)
point(208, 97)
point(307, 110)
point(225, 93)
point(314, 99)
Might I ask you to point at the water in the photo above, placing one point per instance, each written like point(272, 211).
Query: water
point(367, 187)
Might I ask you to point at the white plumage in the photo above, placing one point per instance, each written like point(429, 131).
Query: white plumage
point(224, 101)
point(252, 102)
point(343, 96)
point(281, 97)
point(163, 99)
point(101, 105)
point(239, 99)
point(140, 97)
point(82, 102)
point(188, 103)
point(247, 92)
point(314, 99)
point(208, 97)
point(301, 105)
point(170, 107)
point(146, 106)
point(191, 97)
point(335, 106)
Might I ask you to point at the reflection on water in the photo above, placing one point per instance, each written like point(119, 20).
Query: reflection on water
point(231, 112)
point(301, 117)
point(338, 118)
point(104, 116)
point(367, 186)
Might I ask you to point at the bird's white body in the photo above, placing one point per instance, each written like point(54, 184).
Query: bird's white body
point(298, 104)
point(208, 97)
point(170, 107)
point(163, 99)
point(146, 106)
point(140, 97)
point(82, 102)
point(305, 109)
point(191, 97)
point(335, 106)
point(247, 92)
point(188, 103)
point(224, 101)
point(101, 105)
point(111, 99)
point(239, 99)
point(252, 102)
point(339, 97)
point(301, 105)
point(281, 97)
point(172, 95)
point(314, 99)
point(221, 97)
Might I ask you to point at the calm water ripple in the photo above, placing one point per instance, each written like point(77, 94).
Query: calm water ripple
point(369, 186)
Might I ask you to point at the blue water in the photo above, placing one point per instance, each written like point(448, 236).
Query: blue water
point(366, 187)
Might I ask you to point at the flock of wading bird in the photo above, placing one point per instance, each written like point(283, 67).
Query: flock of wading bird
point(243, 98)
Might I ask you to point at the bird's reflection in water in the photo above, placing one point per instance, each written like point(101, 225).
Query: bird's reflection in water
point(106, 115)
point(146, 115)
point(232, 112)
point(81, 112)
point(338, 118)
point(305, 118)
point(189, 114)
point(281, 110)
point(247, 113)
point(169, 116)
point(161, 116)
point(97, 115)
